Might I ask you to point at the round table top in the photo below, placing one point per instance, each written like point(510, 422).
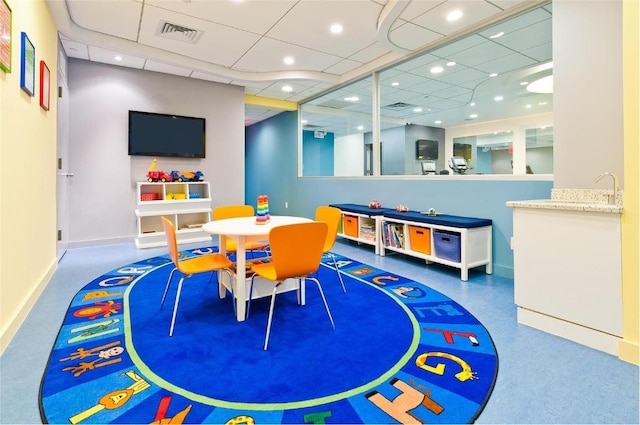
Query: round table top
point(247, 226)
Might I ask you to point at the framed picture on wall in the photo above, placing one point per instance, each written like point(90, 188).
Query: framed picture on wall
point(44, 85)
point(28, 65)
point(5, 36)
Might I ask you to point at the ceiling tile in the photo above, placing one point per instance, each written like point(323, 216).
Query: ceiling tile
point(268, 55)
point(101, 16)
point(98, 54)
point(309, 21)
point(213, 46)
point(473, 11)
point(75, 49)
point(410, 36)
point(166, 68)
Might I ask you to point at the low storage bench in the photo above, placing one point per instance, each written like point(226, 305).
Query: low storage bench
point(361, 223)
point(461, 242)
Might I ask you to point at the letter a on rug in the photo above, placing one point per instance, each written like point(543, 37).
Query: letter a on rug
point(400, 352)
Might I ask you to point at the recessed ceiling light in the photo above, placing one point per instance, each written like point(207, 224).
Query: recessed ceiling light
point(472, 104)
point(473, 116)
point(351, 99)
point(437, 70)
point(498, 98)
point(288, 60)
point(287, 88)
point(437, 122)
point(360, 127)
point(542, 103)
point(454, 15)
point(118, 58)
point(500, 34)
point(524, 83)
point(417, 109)
point(493, 75)
point(304, 121)
point(336, 29)
point(451, 63)
point(527, 106)
point(395, 84)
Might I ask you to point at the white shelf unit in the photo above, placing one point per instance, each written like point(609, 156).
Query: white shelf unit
point(361, 228)
point(187, 205)
point(475, 243)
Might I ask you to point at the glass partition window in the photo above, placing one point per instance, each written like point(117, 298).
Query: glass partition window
point(433, 100)
point(335, 130)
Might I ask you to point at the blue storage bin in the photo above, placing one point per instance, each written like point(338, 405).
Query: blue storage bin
point(447, 245)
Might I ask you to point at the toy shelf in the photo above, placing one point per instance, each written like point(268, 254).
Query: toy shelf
point(187, 205)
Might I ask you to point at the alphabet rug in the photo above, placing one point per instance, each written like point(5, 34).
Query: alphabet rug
point(400, 352)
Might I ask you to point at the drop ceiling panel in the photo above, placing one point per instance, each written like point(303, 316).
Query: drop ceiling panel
point(268, 54)
point(342, 67)
point(473, 11)
point(463, 75)
point(98, 54)
point(417, 8)
point(213, 46)
point(75, 49)
point(506, 63)
point(482, 53)
point(528, 37)
point(102, 16)
point(410, 36)
point(542, 53)
point(308, 24)
point(428, 86)
point(517, 23)
point(253, 16)
point(369, 53)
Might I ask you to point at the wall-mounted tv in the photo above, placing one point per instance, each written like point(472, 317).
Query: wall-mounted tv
point(152, 134)
point(426, 149)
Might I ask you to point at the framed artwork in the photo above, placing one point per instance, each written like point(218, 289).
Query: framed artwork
point(28, 68)
point(5, 36)
point(44, 85)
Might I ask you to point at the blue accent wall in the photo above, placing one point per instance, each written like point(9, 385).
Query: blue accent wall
point(271, 169)
point(317, 154)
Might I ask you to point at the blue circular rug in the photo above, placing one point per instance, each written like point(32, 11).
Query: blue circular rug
point(400, 352)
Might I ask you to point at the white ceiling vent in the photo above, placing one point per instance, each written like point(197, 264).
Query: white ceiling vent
point(178, 32)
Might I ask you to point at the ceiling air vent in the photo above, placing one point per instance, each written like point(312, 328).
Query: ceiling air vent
point(398, 106)
point(178, 32)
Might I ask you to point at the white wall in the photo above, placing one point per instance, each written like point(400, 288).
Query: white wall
point(348, 156)
point(587, 98)
point(102, 195)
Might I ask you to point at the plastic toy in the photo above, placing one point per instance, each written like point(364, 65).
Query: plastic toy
point(262, 215)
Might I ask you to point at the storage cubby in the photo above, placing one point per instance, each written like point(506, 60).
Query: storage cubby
point(360, 228)
point(187, 205)
point(463, 248)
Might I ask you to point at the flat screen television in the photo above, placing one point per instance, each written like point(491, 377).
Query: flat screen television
point(426, 149)
point(152, 134)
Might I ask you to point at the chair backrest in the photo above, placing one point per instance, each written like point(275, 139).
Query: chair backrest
point(331, 216)
point(296, 249)
point(172, 243)
point(233, 211)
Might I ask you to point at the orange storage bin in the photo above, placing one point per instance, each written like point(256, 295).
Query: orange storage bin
point(420, 239)
point(350, 225)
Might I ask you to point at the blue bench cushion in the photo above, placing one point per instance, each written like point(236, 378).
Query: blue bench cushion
point(360, 209)
point(440, 219)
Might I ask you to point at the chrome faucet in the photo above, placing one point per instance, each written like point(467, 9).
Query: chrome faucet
point(611, 197)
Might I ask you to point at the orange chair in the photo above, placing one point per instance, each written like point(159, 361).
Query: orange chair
point(296, 252)
point(233, 211)
point(189, 267)
point(332, 217)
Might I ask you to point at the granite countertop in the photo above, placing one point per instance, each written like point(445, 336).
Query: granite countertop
point(591, 200)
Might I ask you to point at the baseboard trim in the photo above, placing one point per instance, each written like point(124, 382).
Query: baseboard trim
point(10, 331)
point(100, 242)
point(586, 336)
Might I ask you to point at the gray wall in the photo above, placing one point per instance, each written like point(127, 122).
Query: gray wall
point(587, 98)
point(102, 194)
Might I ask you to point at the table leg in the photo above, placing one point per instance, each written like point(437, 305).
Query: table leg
point(222, 248)
point(240, 281)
